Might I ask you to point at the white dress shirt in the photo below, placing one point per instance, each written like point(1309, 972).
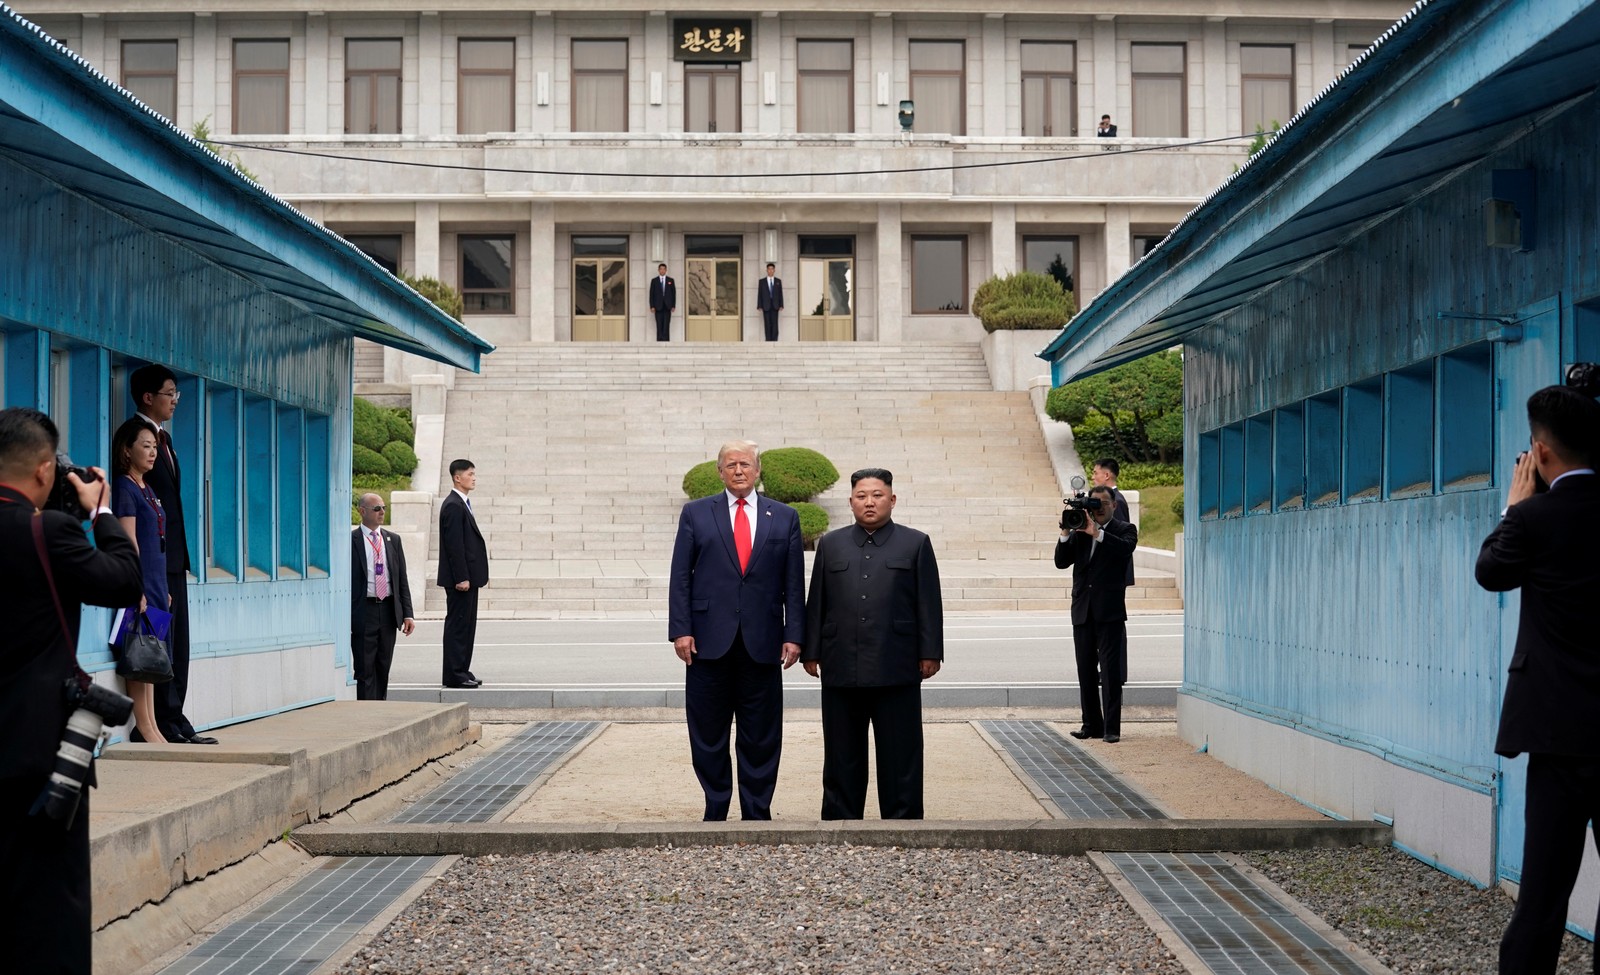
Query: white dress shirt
point(749, 513)
point(372, 569)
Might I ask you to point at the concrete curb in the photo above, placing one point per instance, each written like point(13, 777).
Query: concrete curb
point(1036, 836)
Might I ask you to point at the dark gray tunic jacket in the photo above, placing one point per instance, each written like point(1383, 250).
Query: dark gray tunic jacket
point(874, 609)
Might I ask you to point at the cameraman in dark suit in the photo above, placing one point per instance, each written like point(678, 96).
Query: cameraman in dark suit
point(1100, 553)
point(1548, 545)
point(44, 864)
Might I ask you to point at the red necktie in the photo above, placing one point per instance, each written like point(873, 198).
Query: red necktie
point(741, 534)
point(380, 582)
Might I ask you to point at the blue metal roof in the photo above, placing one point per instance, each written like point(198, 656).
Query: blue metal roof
point(63, 119)
point(1442, 89)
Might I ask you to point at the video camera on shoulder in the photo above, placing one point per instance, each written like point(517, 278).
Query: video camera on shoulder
point(1585, 378)
point(63, 496)
point(1076, 513)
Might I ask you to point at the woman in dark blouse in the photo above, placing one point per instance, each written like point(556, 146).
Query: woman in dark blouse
point(133, 454)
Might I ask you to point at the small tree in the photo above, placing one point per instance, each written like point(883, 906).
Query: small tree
point(447, 298)
point(202, 135)
point(1140, 403)
point(1024, 299)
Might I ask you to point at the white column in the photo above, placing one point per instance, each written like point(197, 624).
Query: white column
point(769, 60)
point(317, 90)
point(658, 61)
point(891, 294)
point(1118, 242)
point(92, 47)
point(1218, 118)
point(1109, 98)
point(425, 240)
point(993, 89)
point(542, 272)
point(1003, 240)
point(881, 119)
point(430, 85)
point(203, 71)
point(1326, 60)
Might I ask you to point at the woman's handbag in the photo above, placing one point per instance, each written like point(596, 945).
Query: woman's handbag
point(144, 657)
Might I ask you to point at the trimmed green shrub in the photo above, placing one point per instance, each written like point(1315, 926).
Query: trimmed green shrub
point(402, 459)
point(813, 521)
point(791, 474)
point(1177, 506)
point(1093, 438)
point(1136, 477)
point(702, 481)
point(364, 460)
point(1024, 299)
point(399, 426)
point(445, 297)
point(370, 429)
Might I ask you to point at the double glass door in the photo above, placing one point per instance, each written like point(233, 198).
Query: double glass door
point(827, 305)
point(600, 299)
point(711, 304)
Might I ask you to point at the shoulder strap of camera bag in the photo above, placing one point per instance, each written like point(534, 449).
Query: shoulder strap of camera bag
point(44, 559)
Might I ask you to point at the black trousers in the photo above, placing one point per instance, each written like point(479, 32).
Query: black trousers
point(895, 716)
point(717, 693)
point(169, 698)
point(1563, 805)
point(460, 630)
point(663, 325)
point(1102, 652)
point(372, 649)
point(769, 318)
point(44, 885)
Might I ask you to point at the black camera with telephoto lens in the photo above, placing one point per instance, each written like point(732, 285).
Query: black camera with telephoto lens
point(63, 496)
point(1585, 378)
point(1076, 513)
point(94, 707)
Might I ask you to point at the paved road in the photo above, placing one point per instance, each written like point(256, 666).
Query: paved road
point(1002, 650)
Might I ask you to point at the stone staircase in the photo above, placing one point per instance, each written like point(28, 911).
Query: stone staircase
point(581, 450)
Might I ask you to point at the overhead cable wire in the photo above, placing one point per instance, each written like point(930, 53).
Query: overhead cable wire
point(953, 167)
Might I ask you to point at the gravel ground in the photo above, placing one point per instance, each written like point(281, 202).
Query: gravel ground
point(769, 909)
point(1409, 915)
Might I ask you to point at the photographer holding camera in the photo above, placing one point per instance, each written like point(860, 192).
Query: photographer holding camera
point(1099, 547)
point(1548, 545)
point(50, 713)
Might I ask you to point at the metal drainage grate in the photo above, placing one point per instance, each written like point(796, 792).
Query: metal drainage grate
point(475, 794)
point(1080, 787)
point(301, 928)
point(1234, 926)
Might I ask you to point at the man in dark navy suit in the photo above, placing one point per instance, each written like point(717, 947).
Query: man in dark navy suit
point(1548, 545)
point(769, 298)
point(663, 299)
point(735, 616)
point(1099, 553)
point(380, 599)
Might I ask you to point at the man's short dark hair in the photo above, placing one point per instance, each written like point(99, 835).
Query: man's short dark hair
point(148, 379)
point(772, 265)
point(661, 265)
point(460, 464)
point(1110, 464)
point(26, 435)
point(1105, 118)
point(1104, 490)
point(872, 472)
point(1568, 422)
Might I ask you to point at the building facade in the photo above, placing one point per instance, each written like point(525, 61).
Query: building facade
point(545, 161)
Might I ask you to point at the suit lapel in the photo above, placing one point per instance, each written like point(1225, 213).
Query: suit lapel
point(724, 523)
point(358, 541)
point(765, 531)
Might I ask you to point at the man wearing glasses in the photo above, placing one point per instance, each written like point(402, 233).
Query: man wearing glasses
point(380, 600)
point(155, 394)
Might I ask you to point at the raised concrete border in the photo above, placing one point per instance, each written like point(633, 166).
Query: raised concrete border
point(165, 815)
point(1068, 838)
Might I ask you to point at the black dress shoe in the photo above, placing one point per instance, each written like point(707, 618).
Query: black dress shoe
point(1112, 739)
point(198, 740)
point(134, 736)
point(1081, 734)
point(466, 684)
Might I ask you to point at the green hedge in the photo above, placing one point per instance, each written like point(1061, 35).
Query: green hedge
point(1177, 506)
point(371, 429)
point(402, 459)
point(702, 481)
point(813, 521)
point(399, 424)
point(365, 460)
point(1135, 477)
point(1024, 299)
point(791, 474)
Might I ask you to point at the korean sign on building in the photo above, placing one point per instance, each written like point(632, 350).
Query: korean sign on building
point(700, 39)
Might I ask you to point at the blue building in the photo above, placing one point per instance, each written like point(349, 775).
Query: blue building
point(122, 241)
point(1364, 309)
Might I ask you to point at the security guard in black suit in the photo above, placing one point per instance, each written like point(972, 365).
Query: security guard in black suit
point(44, 865)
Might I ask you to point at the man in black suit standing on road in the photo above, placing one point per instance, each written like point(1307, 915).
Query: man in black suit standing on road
point(769, 298)
point(463, 570)
point(663, 299)
point(380, 599)
point(155, 394)
point(1099, 552)
point(1548, 545)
